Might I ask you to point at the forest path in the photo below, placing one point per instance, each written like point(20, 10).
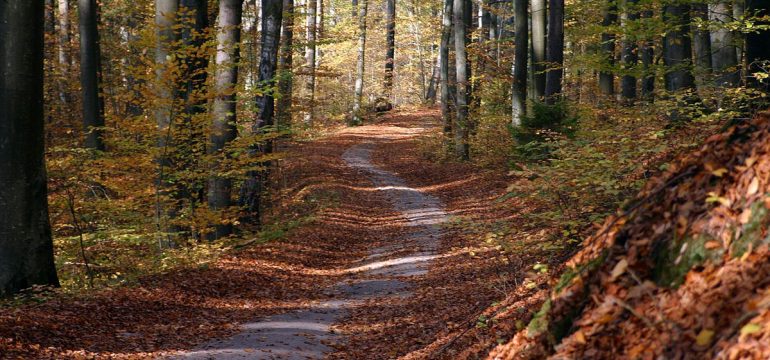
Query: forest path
point(383, 275)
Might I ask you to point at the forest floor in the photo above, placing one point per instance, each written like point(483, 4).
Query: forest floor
point(392, 263)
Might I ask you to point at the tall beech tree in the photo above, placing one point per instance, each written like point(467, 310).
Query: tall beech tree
point(358, 91)
point(519, 85)
point(446, 35)
point(26, 245)
point(251, 193)
point(390, 47)
point(677, 48)
point(224, 109)
point(91, 74)
point(723, 45)
point(648, 57)
point(629, 55)
point(285, 66)
point(606, 75)
point(555, 50)
point(310, 53)
point(701, 43)
point(539, 24)
point(461, 123)
point(757, 49)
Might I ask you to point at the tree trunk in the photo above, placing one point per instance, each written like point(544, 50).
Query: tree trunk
point(390, 47)
point(251, 193)
point(446, 34)
point(555, 50)
point(677, 50)
point(606, 76)
point(64, 34)
point(519, 88)
point(360, 64)
point(223, 113)
point(538, 47)
point(461, 64)
point(435, 80)
point(91, 75)
point(648, 58)
point(757, 48)
point(629, 56)
point(26, 245)
point(285, 65)
point(724, 58)
point(701, 44)
point(310, 60)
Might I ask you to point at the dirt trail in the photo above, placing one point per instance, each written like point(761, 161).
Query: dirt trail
point(385, 273)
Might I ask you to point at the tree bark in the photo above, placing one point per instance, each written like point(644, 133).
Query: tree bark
point(519, 88)
point(757, 48)
point(360, 64)
point(251, 193)
point(648, 53)
point(91, 75)
point(538, 47)
point(26, 245)
point(461, 64)
point(606, 76)
point(285, 65)
point(310, 60)
point(435, 80)
point(701, 44)
point(677, 49)
point(390, 47)
point(64, 34)
point(724, 58)
point(629, 56)
point(446, 34)
point(224, 117)
point(555, 50)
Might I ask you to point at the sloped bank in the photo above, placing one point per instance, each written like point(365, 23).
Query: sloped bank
point(681, 272)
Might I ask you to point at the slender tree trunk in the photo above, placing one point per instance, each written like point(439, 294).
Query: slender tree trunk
point(446, 34)
point(91, 75)
point(538, 47)
point(26, 245)
point(606, 76)
point(435, 80)
point(390, 47)
point(519, 88)
point(224, 117)
point(723, 44)
point(677, 49)
point(285, 65)
point(648, 58)
point(555, 50)
point(64, 34)
point(757, 45)
point(360, 64)
point(354, 6)
point(629, 56)
point(310, 60)
point(701, 44)
point(461, 64)
point(251, 192)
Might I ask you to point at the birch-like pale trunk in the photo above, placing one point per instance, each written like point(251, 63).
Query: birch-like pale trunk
point(519, 85)
point(358, 91)
point(224, 109)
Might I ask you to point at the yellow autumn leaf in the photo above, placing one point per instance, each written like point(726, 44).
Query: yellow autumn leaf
point(719, 172)
point(704, 337)
point(751, 328)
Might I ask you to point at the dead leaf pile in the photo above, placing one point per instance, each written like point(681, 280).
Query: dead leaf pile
point(681, 272)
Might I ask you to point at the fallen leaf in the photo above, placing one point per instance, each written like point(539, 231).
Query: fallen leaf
point(704, 337)
point(753, 187)
point(619, 269)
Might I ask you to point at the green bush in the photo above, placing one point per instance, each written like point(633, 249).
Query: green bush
point(538, 134)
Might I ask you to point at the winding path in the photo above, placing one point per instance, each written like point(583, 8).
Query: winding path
point(307, 334)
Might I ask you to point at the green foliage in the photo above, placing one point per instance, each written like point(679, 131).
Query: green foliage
point(539, 133)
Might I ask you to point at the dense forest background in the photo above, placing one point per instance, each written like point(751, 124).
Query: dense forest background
point(142, 136)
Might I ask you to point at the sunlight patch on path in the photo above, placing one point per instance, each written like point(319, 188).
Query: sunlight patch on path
point(307, 334)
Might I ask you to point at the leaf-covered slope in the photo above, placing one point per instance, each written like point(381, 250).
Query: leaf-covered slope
point(682, 272)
